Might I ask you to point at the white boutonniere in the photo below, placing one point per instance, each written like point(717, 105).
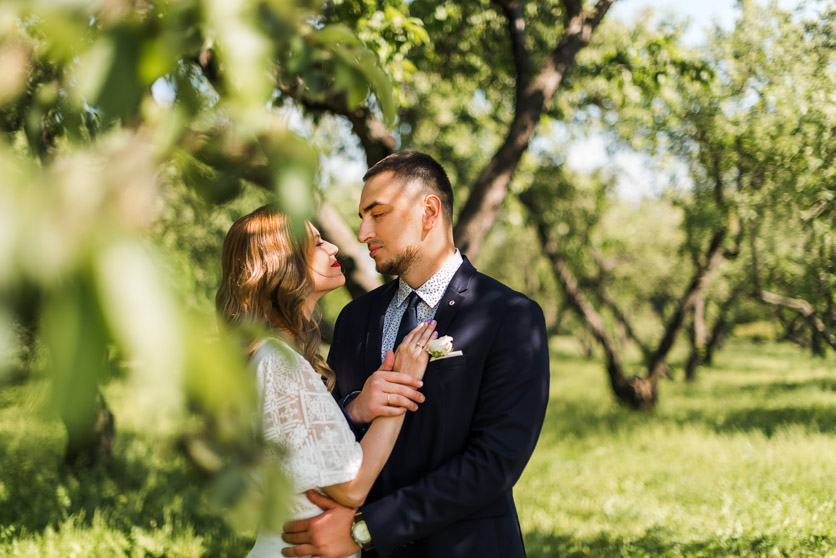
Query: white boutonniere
point(442, 348)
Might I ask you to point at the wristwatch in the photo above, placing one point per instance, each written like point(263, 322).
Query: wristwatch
point(360, 532)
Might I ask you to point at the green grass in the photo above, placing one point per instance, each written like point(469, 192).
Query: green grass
point(740, 463)
point(147, 502)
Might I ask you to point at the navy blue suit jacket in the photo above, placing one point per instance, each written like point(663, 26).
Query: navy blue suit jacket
point(446, 489)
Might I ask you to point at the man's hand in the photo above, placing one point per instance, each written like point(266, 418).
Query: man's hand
point(328, 535)
point(385, 394)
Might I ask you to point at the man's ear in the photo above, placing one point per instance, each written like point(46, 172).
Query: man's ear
point(432, 211)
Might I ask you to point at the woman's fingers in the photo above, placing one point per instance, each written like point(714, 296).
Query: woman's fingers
point(426, 334)
point(412, 336)
point(420, 335)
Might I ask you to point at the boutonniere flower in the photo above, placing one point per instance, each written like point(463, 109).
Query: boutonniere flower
point(442, 348)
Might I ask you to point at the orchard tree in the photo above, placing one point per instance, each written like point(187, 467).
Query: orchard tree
point(472, 81)
point(753, 123)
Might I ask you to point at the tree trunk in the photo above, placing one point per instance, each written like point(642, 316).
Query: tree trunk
point(533, 96)
point(699, 321)
point(489, 190)
point(701, 276)
point(90, 440)
point(715, 341)
point(693, 356)
point(634, 392)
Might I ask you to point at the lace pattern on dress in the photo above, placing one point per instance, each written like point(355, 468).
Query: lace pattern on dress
point(303, 427)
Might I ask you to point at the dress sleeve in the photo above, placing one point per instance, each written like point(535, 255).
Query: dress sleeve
point(303, 427)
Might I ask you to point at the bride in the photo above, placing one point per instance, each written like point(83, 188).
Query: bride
point(273, 279)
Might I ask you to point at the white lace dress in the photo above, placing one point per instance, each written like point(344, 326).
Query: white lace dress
point(299, 416)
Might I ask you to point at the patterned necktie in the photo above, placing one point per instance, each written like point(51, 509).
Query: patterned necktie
point(409, 320)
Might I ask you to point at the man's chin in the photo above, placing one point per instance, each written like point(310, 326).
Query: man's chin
point(384, 268)
point(398, 265)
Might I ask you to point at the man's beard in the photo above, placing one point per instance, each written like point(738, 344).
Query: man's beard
point(400, 264)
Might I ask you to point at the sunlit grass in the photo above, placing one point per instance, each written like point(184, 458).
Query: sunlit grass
point(740, 463)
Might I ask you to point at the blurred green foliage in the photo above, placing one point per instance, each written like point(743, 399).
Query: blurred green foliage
point(114, 203)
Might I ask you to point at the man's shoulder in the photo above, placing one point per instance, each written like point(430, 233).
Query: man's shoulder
point(486, 287)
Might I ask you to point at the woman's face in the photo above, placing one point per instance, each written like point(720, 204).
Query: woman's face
point(325, 270)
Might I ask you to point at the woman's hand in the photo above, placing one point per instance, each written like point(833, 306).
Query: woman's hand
point(385, 394)
point(412, 356)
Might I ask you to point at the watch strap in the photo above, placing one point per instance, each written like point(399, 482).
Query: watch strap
point(363, 544)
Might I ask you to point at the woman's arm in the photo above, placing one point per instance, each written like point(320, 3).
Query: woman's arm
point(377, 444)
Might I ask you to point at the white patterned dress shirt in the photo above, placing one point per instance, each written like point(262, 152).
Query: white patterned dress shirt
point(430, 294)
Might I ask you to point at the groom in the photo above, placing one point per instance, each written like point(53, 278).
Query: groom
point(446, 489)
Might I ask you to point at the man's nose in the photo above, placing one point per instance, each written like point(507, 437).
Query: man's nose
point(363, 233)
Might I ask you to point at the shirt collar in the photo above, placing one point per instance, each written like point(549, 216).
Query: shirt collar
point(433, 289)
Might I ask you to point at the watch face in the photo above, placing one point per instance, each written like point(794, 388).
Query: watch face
point(361, 532)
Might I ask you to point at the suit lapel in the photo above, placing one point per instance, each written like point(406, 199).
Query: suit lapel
point(454, 296)
point(374, 331)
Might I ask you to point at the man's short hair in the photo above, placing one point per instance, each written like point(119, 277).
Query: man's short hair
point(414, 165)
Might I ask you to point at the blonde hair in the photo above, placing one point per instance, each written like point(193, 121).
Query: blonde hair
point(266, 280)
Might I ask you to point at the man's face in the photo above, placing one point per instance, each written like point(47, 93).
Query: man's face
point(391, 223)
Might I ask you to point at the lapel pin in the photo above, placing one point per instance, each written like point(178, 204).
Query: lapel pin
point(452, 302)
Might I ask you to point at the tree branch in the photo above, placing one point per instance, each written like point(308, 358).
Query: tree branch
point(805, 309)
point(713, 256)
point(516, 31)
point(613, 307)
point(571, 9)
point(376, 140)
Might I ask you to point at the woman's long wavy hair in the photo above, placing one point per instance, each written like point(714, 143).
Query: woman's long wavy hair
point(266, 279)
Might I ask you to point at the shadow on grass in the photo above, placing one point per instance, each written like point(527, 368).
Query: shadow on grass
point(139, 489)
point(658, 543)
point(768, 421)
point(814, 384)
point(583, 420)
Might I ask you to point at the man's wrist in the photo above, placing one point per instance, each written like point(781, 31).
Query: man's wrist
point(360, 532)
point(346, 406)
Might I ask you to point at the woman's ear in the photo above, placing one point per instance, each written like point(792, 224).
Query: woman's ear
point(432, 211)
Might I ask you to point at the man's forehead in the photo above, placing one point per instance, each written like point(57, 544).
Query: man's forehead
point(387, 188)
